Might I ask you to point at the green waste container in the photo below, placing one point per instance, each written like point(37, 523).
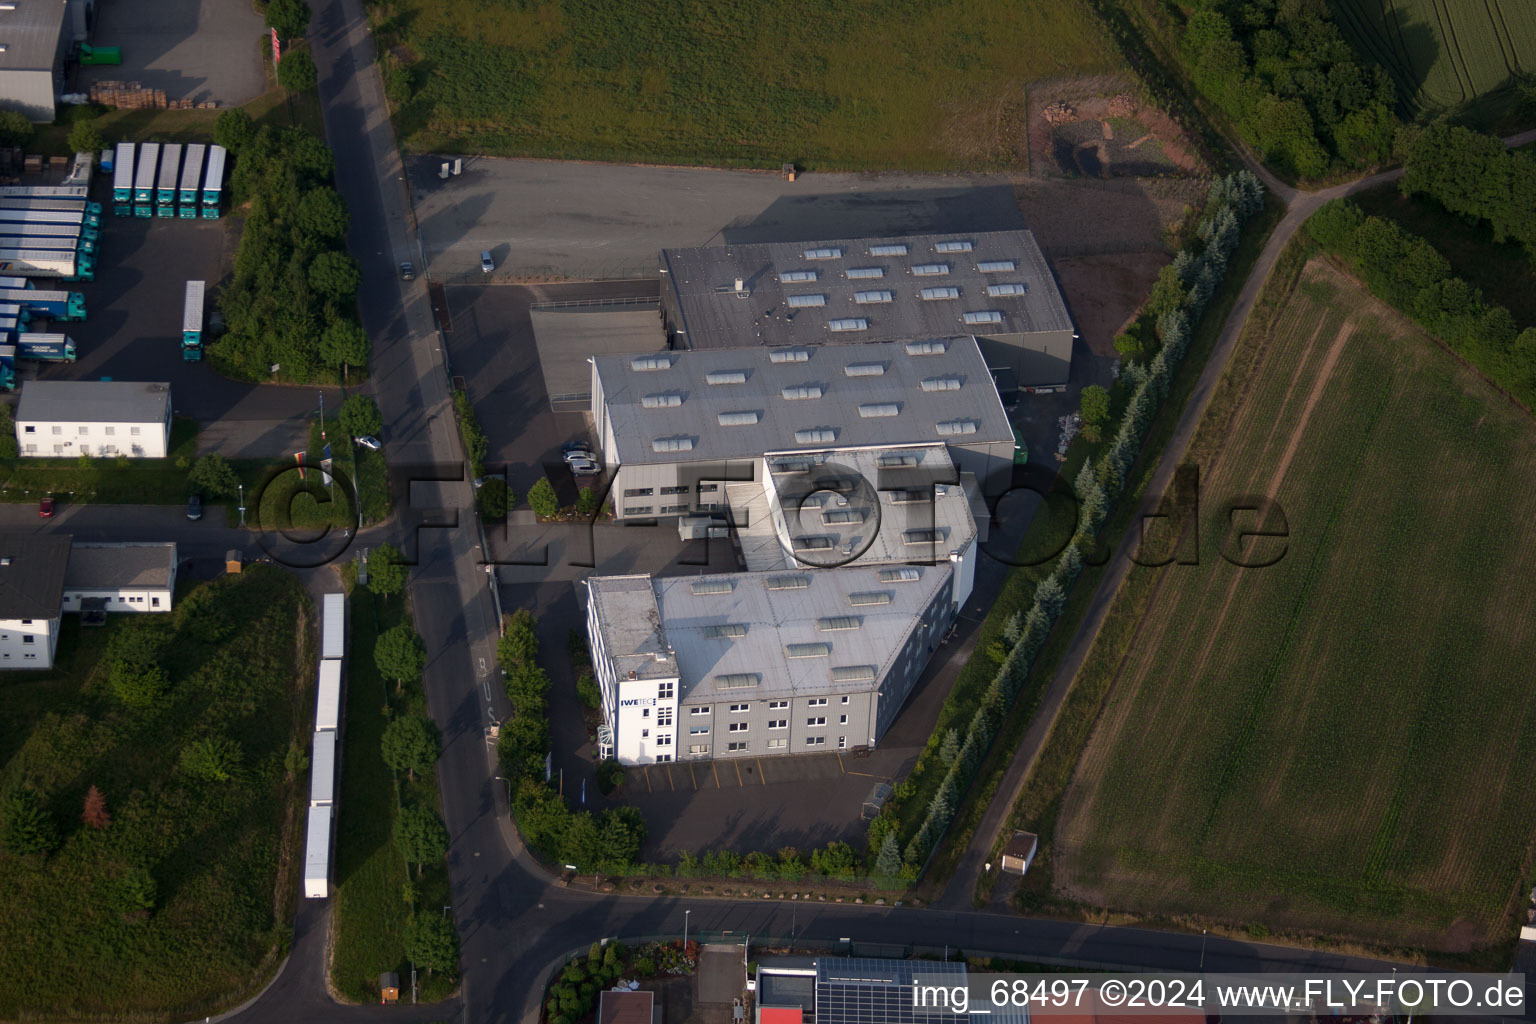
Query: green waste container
point(100, 54)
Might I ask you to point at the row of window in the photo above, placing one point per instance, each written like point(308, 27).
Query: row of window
point(645, 510)
point(85, 449)
point(6, 655)
point(773, 723)
point(742, 746)
point(26, 638)
point(108, 431)
point(773, 705)
point(641, 492)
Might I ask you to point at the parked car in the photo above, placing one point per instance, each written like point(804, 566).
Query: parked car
point(486, 263)
point(578, 453)
point(45, 509)
point(584, 467)
point(407, 272)
point(195, 507)
point(370, 442)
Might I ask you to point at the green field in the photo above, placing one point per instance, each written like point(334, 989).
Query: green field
point(219, 856)
point(1445, 55)
point(1340, 743)
point(823, 83)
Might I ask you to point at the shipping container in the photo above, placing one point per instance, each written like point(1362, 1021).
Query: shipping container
point(328, 695)
point(317, 854)
point(322, 770)
point(333, 627)
point(191, 174)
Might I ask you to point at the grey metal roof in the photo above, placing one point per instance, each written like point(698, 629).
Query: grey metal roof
point(115, 566)
point(30, 32)
point(93, 401)
point(794, 639)
point(811, 401)
point(851, 990)
point(32, 574)
point(714, 315)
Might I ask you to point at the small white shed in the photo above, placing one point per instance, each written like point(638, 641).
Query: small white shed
point(328, 696)
point(333, 626)
point(317, 854)
point(322, 770)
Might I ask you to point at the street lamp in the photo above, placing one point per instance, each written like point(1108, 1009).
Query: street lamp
point(1202, 949)
point(242, 504)
point(685, 931)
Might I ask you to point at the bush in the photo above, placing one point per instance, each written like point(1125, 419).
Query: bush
point(541, 498)
point(85, 137)
point(587, 502)
point(212, 477)
point(475, 444)
point(492, 499)
point(289, 18)
point(359, 416)
point(610, 775)
point(233, 129)
point(588, 692)
point(212, 759)
point(15, 129)
point(25, 826)
point(296, 71)
point(9, 449)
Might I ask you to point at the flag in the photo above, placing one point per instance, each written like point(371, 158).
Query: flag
point(299, 458)
point(325, 467)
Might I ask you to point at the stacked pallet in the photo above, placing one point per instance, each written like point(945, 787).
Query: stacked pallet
point(128, 96)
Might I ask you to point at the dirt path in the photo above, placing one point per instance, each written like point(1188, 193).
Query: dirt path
point(1299, 207)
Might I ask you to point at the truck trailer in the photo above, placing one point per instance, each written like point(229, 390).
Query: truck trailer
point(317, 854)
point(213, 182)
point(55, 305)
point(16, 282)
point(122, 180)
point(27, 229)
point(170, 177)
point(19, 203)
point(79, 218)
point(45, 191)
point(192, 323)
point(144, 179)
point(191, 179)
point(46, 347)
point(52, 243)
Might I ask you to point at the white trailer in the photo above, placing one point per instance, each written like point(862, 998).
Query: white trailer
point(31, 229)
point(192, 308)
point(317, 854)
point(39, 262)
point(333, 626)
point(15, 282)
point(46, 191)
point(322, 770)
point(144, 176)
point(122, 175)
point(328, 696)
point(192, 173)
point(75, 217)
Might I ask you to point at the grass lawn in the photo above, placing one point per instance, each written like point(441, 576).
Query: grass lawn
point(823, 83)
point(372, 906)
point(1504, 271)
point(238, 659)
point(1334, 744)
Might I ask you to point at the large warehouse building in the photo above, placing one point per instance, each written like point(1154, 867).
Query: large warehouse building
point(37, 35)
point(994, 285)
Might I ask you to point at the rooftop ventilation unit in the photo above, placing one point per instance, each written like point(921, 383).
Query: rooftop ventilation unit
point(838, 623)
point(949, 428)
point(726, 377)
point(806, 301)
point(878, 410)
point(816, 435)
point(864, 369)
point(642, 364)
point(853, 673)
point(935, 294)
point(931, 269)
point(830, 253)
point(797, 276)
point(957, 246)
point(789, 355)
point(865, 273)
point(892, 249)
point(727, 630)
point(737, 419)
point(984, 316)
point(997, 291)
point(808, 650)
point(738, 681)
point(922, 535)
point(787, 582)
point(870, 598)
point(852, 323)
point(718, 585)
point(927, 348)
point(870, 298)
point(661, 401)
point(903, 575)
point(802, 391)
point(672, 444)
point(941, 384)
point(996, 266)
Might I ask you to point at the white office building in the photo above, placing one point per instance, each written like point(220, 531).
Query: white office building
point(32, 568)
point(131, 577)
point(64, 419)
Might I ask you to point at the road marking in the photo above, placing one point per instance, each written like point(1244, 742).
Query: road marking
point(482, 666)
point(647, 773)
point(867, 775)
point(760, 776)
point(716, 773)
point(670, 786)
point(738, 773)
point(840, 764)
point(691, 777)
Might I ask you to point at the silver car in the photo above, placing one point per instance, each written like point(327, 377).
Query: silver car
point(486, 263)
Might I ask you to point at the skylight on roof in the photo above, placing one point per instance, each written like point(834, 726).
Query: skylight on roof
point(726, 377)
point(864, 369)
point(661, 401)
point(934, 294)
point(851, 323)
point(951, 427)
point(922, 535)
point(868, 598)
point(717, 585)
point(889, 249)
point(812, 543)
point(726, 630)
point(795, 276)
point(930, 269)
point(796, 582)
point(903, 575)
point(835, 516)
point(808, 650)
point(802, 391)
point(827, 253)
point(838, 623)
point(1011, 288)
point(642, 364)
point(878, 410)
point(738, 680)
point(955, 246)
point(893, 460)
point(869, 298)
point(941, 384)
point(672, 444)
point(806, 301)
point(816, 435)
point(984, 316)
point(996, 266)
point(853, 673)
point(865, 273)
point(927, 348)
point(745, 418)
point(789, 355)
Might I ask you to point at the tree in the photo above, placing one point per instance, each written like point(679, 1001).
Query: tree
point(400, 654)
point(888, 862)
point(15, 129)
point(289, 18)
point(335, 276)
point(1095, 409)
point(135, 892)
point(1167, 294)
point(213, 477)
point(25, 826)
point(541, 498)
point(949, 750)
point(519, 643)
point(212, 759)
point(836, 860)
point(410, 744)
point(431, 942)
point(492, 499)
point(85, 137)
point(95, 811)
point(343, 344)
point(233, 129)
point(587, 502)
point(1128, 345)
point(386, 574)
point(359, 416)
point(138, 685)
point(323, 214)
point(420, 837)
point(296, 71)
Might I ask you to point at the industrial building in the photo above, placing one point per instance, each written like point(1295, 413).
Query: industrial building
point(994, 285)
point(66, 419)
point(42, 576)
point(675, 428)
point(37, 36)
point(857, 990)
point(751, 664)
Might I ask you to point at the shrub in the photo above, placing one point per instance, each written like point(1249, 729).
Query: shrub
point(25, 826)
point(15, 128)
point(386, 574)
point(213, 477)
point(587, 692)
point(587, 502)
point(233, 129)
point(541, 498)
point(296, 71)
point(212, 759)
point(610, 775)
point(492, 499)
point(475, 444)
point(85, 137)
point(359, 416)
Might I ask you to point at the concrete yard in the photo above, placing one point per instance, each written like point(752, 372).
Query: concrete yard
point(193, 49)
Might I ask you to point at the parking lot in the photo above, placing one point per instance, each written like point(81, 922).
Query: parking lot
point(193, 49)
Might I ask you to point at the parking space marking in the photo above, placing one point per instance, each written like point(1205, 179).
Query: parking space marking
point(670, 786)
point(716, 773)
point(738, 773)
point(691, 777)
point(647, 772)
point(761, 775)
point(840, 764)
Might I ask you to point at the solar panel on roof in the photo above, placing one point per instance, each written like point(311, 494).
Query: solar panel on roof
point(852, 673)
point(934, 294)
point(737, 419)
point(956, 246)
point(890, 249)
point(869, 298)
point(808, 650)
point(793, 276)
point(865, 273)
point(661, 401)
point(930, 269)
point(789, 355)
point(852, 323)
point(806, 301)
point(643, 363)
point(738, 680)
point(927, 348)
point(864, 369)
point(984, 316)
point(828, 253)
point(864, 598)
point(726, 377)
point(816, 435)
point(672, 444)
point(941, 384)
point(1011, 288)
point(796, 582)
point(878, 410)
point(802, 391)
point(903, 575)
point(951, 427)
point(996, 266)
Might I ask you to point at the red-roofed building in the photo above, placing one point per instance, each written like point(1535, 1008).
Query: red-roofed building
point(626, 1008)
point(779, 1015)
